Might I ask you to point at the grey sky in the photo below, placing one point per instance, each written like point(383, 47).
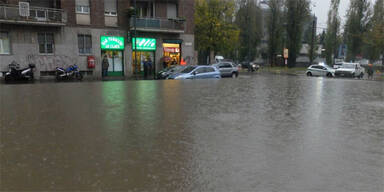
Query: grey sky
point(321, 11)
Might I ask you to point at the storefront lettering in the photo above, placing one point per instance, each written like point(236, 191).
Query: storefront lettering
point(145, 44)
point(115, 43)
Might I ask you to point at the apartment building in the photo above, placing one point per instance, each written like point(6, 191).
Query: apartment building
point(60, 33)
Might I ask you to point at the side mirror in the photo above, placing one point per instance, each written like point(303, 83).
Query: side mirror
point(194, 73)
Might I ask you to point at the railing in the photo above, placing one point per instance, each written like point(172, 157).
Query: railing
point(159, 24)
point(38, 15)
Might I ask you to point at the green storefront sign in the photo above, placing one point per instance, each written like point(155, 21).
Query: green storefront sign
point(144, 44)
point(112, 43)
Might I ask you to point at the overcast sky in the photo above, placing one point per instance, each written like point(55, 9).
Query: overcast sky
point(321, 11)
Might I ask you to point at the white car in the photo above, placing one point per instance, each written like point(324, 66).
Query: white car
point(350, 70)
point(320, 70)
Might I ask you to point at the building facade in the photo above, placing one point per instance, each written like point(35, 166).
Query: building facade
point(60, 33)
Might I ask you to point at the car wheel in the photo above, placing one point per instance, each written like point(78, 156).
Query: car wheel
point(329, 75)
point(309, 74)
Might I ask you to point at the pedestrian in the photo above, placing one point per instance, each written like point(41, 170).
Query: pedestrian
point(145, 64)
point(105, 65)
point(370, 71)
point(164, 64)
point(149, 64)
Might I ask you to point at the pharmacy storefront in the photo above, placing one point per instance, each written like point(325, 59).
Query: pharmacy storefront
point(143, 49)
point(113, 48)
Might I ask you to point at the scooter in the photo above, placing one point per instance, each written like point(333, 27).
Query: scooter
point(17, 74)
point(72, 72)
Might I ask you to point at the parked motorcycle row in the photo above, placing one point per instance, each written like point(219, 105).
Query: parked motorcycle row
point(15, 73)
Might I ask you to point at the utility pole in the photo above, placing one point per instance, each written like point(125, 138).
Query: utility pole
point(249, 32)
point(135, 41)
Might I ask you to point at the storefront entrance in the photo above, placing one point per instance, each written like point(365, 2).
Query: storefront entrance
point(142, 56)
point(116, 62)
point(113, 48)
point(143, 49)
point(172, 54)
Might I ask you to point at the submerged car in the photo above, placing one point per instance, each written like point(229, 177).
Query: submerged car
point(320, 70)
point(197, 72)
point(163, 74)
point(227, 69)
point(350, 70)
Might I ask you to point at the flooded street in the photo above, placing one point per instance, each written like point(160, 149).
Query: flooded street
point(255, 133)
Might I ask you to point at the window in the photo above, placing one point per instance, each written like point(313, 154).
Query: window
point(209, 69)
point(172, 10)
point(200, 70)
point(110, 7)
point(85, 44)
point(46, 43)
point(5, 47)
point(226, 65)
point(145, 9)
point(82, 6)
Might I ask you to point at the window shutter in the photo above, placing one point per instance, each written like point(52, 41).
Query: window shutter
point(80, 42)
point(88, 41)
point(110, 6)
point(82, 3)
point(171, 10)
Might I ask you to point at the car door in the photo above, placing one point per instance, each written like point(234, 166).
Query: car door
point(323, 71)
point(199, 73)
point(317, 70)
point(228, 69)
point(210, 72)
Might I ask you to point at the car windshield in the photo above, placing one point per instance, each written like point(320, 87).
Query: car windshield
point(349, 66)
point(188, 69)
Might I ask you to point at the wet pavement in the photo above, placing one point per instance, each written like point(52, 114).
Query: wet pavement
point(255, 133)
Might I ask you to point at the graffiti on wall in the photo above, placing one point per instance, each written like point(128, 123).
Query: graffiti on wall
point(49, 63)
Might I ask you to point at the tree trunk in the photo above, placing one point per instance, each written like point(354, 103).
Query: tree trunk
point(211, 57)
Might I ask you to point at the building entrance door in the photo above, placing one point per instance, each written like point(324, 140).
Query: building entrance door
point(116, 62)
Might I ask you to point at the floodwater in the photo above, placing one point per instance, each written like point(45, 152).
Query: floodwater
point(255, 133)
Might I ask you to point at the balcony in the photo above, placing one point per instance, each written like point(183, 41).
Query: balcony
point(158, 25)
point(37, 16)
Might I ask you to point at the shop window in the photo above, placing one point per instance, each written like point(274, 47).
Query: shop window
point(5, 47)
point(46, 43)
point(82, 6)
point(84, 44)
point(110, 7)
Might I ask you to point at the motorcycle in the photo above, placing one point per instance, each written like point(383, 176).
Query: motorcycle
point(17, 74)
point(72, 72)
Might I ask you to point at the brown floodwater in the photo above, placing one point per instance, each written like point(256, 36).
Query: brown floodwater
point(255, 133)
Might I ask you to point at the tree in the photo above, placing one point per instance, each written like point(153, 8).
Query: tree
point(296, 14)
point(333, 29)
point(374, 37)
point(214, 28)
point(356, 26)
point(249, 21)
point(275, 23)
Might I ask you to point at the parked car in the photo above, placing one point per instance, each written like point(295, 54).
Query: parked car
point(163, 74)
point(250, 66)
point(227, 69)
point(337, 65)
point(320, 70)
point(197, 72)
point(350, 70)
